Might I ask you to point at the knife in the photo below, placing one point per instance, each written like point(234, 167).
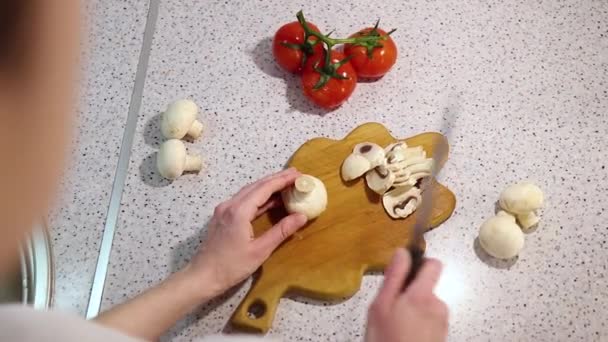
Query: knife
point(423, 213)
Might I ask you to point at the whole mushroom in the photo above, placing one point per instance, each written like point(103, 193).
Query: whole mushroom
point(172, 160)
point(501, 237)
point(522, 200)
point(179, 120)
point(308, 196)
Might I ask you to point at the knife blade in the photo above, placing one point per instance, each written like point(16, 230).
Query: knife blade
point(424, 210)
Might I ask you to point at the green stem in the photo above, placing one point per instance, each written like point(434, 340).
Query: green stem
point(329, 70)
point(331, 42)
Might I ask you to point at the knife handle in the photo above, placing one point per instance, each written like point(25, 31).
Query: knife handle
point(417, 257)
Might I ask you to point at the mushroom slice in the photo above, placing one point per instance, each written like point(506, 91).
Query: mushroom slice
point(409, 171)
point(407, 183)
point(399, 145)
point(398, 155)
point(425, 166)
point(354, 166)
point(407, 162)
point(372, 152)
point(401, 202)
point(380, 179)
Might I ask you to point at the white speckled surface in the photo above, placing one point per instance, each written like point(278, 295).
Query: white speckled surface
point(111, 49)
point(529, 80)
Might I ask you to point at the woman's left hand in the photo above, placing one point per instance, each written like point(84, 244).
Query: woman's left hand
point(230, 252)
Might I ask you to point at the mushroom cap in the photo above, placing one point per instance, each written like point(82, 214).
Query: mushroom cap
point(311, 202)
point(521, 198)
point(354, 166)
point(171, 158)
point(374, 153)
point(501, 237)
point(178, 118)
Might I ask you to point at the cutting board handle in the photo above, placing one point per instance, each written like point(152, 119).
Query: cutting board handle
point(256, 311)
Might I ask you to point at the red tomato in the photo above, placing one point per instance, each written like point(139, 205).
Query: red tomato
point(383, 58)
point(336, 91)
point(287, 57)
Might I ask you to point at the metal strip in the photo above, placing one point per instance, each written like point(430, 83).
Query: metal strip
point(123, 165)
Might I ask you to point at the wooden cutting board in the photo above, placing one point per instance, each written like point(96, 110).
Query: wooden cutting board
point(327, 259)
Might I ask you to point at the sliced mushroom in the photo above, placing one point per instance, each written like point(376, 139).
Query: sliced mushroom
point(401, 202)
point(354, 166)
point(404, 183)
point(398, 155)
point(372, 152)
point(399, 145)
point(409, 171)
point(380, 179)
point(406, 162)
point(425, 165)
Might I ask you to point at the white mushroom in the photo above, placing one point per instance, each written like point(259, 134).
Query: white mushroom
point(401, 202)
point(308, 196)
point(380, 179)
point(372, 152)
point(172, 160)
point(522, 199)
point(501, 237)
point(179, 120)
point(354, 166)
point(399, 145)
point(409, 166)
point(400, 154)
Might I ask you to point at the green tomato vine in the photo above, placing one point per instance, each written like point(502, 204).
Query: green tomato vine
point(369, 40)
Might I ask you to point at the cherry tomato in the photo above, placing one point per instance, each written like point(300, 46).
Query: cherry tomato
point(336, 91)
point(290, 58)
point(383, 58)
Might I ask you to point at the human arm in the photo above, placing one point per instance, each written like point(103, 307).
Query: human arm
point(229, 254)
point(413, 315)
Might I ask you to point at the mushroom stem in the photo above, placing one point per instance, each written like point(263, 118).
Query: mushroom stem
point(528, 219)
point(304, 184)
point(196, 129)
point(193, 163)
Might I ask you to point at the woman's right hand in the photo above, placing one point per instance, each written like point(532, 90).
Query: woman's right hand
point(416, 314)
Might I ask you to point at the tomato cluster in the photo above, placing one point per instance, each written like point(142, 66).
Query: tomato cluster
point(329, 76)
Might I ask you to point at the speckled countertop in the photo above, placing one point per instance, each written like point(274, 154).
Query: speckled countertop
point(111, 46)
point(530, 82)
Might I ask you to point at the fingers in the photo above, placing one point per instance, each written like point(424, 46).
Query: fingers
point(272, 238)
point(427, 279)
point(260, 193)
point(273, 202)
point(246, 189)
point(394, 277)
